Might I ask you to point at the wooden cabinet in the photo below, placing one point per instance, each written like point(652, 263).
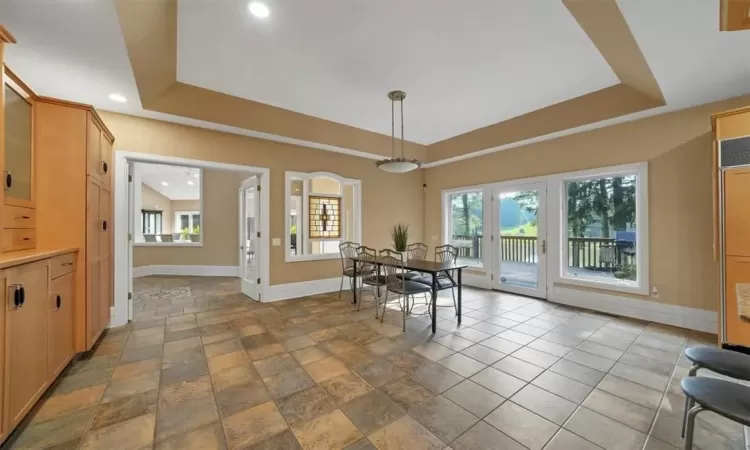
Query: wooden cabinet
point(98, 151)
point(26, 374)
point(73, 150)
point(60, 348)
point(736, 270)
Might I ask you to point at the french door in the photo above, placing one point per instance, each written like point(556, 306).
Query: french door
point(250, 233)
point(519, 239)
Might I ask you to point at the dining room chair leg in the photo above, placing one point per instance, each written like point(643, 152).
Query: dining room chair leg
point(691, 426)
point(455, 305)
point(341, 288)
point(691, 373)
point(404, 309)
point(385, 303)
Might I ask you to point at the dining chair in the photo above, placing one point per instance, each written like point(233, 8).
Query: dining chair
point(447, 279)
point(416, 251)
point(393, 264)
point(348, 250)
point(370, 275)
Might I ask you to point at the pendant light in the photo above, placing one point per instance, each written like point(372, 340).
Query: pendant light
point(397, 164)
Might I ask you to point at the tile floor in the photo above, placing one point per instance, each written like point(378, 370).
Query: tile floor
point(202, 367)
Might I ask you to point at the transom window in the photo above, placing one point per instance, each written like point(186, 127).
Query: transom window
point(322, 211)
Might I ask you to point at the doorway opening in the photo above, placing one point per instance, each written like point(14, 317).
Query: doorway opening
point(179, 217)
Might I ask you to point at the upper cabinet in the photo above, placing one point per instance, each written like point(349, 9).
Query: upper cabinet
point(98, 150)
point(18, 163)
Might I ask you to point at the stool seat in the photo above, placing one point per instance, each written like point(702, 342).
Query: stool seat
point(724, 362)
point(728, 399)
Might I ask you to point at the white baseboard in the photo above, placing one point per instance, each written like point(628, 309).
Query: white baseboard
point(303, 288)
point(476, 279)
point(675, 315)
point(195, 271)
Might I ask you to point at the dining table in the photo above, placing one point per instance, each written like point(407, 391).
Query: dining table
point(431, 268)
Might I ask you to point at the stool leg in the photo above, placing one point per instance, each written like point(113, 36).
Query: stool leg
point(691, 426)
point(691, 373)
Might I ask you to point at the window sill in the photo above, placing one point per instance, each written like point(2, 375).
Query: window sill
point(641, 289)
point(168, 244)
point(292, 259)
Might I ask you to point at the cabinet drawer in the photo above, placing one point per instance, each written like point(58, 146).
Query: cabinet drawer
point(17, 217)
point(18, 239)
point(60, 265)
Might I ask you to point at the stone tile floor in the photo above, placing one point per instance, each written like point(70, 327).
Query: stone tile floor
point(203, 367)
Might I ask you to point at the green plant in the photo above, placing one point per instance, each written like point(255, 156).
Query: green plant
point(293, 229)
point(400, 236)
point(187, 231)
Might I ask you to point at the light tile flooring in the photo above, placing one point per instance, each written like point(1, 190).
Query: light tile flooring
point(203, 367)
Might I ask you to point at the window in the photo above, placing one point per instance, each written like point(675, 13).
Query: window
point(169, 198)
point(150, 222)
point(604, 228)
point(466, 225)
point(322, 212)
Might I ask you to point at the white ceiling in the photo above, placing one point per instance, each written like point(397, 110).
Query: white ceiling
point(461, 68)
point(176, 177)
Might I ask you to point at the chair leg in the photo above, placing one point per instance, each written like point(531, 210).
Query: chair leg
point(377, 303)
point(385, 303)
point(404, 309)
point(691, 373)
point(341, 288)
point(455, 305)
point(691, 426)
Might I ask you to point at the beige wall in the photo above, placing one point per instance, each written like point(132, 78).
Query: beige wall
point(151, 199)
point(379, 189)
point(219, 223)
point(678, 149)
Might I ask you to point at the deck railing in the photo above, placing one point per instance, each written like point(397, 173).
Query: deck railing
point(589, 253)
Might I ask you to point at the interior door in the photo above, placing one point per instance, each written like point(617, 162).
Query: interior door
point(250, 234)
point(519, 243)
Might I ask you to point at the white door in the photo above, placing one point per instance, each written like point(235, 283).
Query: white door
point(519, 243)
point(132, 217)
point(250, 235)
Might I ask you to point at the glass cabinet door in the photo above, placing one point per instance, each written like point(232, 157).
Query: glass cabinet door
point(17, 179)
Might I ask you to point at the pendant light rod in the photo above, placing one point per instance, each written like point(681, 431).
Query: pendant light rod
point(396, 164)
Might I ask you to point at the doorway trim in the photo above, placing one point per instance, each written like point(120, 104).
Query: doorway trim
point(123, 267)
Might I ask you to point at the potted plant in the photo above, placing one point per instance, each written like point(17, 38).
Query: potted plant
point(400, 236)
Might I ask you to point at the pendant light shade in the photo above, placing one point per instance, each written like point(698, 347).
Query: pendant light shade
point(396, 164)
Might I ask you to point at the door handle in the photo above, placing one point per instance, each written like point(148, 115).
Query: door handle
point(16, 297)
point(544, 246)
point(58, 301)
point(8, 180)
point(23, 295)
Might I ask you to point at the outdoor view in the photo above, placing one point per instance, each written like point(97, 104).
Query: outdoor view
point(601, 228)
point(518, 238)
point(467, 226)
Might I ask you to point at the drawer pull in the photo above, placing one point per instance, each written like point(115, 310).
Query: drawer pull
point(26, 239)
point(23, 217)
point(23, 295)
point(66, 264)
point(58, 301)
point(104, 225)
point(16, 297)
point(8, 180)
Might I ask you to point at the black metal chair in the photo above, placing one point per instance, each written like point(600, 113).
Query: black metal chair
point(724, 362)
point(447, 279)
point(393, 265)
point(348, 251)
point(370, 275)
point(416, 251)
point(725, 398)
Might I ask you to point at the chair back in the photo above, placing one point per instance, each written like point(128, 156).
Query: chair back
point(166, 238)
point(149, 237)
point(446, 253)
point(393, 265)
point(367, 256)
point(417, 251)
point(348, 251)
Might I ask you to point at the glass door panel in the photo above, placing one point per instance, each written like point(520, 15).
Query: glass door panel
point(520, 249)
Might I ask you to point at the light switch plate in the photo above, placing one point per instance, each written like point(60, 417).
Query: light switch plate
point(276, 242)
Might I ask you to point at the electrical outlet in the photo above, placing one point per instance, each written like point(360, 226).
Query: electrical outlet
point(276, 242)
point(654, 292)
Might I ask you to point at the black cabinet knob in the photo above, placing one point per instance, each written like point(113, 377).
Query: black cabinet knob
point(105, 168)
point(17, 297)
point(104, 225)
point(8, 180)
point(58, 300)
point(23, 295)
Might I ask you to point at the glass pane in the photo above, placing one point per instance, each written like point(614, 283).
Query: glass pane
point(324, 247)
point(251, 239)
point(601, 229)
point(518, 238)
point(18, 144)
point(325, 185)
point(185, 223)
point(295, 224)
point(196, 223)
point(467, 227)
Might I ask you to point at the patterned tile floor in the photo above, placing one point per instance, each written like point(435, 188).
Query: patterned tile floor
point(202, 367)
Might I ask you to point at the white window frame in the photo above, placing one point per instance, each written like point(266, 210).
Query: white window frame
point(447, 223)
point(356, 214)
point(558, 228)
point(177, 214)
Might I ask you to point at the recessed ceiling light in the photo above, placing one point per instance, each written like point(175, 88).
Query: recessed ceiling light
point(119, 98)
point(190, 183)
point(164, 183)
point(259, 9)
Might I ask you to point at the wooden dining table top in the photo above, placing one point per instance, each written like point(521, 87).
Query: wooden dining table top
point(419, 265)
